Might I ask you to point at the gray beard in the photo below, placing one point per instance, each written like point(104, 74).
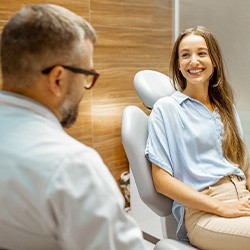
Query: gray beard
point(70, 118)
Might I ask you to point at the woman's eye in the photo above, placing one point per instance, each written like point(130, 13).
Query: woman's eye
point(185, 55)
point(203, 53)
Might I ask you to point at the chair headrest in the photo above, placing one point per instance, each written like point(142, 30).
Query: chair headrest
point(151, 85)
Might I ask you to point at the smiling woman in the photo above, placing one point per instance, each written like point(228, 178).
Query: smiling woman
point(196, 148)
point(196, 67)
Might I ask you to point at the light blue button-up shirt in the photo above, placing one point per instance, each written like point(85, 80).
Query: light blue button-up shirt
point(185, 139)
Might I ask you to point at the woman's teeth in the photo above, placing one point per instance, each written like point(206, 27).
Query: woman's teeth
point(195, 71)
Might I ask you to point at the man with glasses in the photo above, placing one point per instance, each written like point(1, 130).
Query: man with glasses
point(55, 193)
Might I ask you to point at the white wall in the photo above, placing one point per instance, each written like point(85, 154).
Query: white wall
point(229, 20)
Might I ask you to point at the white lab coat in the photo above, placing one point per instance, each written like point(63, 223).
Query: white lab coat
point(55, 193)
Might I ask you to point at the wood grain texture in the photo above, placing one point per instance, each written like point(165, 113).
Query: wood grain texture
point(132, 35)
point(8, 8)
point(143, 14)
point(132, 47)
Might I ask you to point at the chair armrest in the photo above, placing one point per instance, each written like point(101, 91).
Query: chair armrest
point(170, 244)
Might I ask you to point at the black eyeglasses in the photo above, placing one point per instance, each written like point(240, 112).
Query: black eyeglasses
point(91, 75)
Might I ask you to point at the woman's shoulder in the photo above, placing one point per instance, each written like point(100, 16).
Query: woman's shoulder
point(167, 109)
point(173, 100)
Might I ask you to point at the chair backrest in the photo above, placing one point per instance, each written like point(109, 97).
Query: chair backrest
point(134, 136)
point(150, 87)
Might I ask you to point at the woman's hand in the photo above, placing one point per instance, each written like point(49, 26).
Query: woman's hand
point(233, 209)
point(179, 191)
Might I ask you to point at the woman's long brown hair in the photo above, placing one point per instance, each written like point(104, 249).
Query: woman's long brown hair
point(220, 94)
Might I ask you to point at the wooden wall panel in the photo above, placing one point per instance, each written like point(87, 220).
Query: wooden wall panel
point(131, 46)
point(9, 7)
point(132, 35)
point(143, 14)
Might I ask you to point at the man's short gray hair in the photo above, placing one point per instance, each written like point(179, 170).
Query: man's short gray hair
point(39, 36)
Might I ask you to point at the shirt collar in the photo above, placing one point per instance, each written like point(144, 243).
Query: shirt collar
point(180, 97)
point(16, 100)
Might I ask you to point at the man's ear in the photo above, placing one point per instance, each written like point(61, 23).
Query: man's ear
point(57, 81)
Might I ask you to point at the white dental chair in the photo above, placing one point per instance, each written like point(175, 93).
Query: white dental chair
point(150, 86)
